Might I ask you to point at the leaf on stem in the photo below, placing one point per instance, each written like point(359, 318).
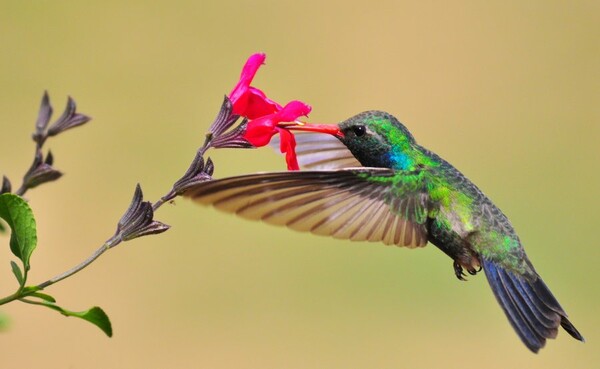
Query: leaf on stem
point(17, 213)
point(17, 272)
point(95, 315)
point(43, 296)
point(4, 322)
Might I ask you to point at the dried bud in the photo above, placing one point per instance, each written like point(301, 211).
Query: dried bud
point(224, 120)
point(43, 118)
point(196, 173)
point(41, 171)
point(69, 119)
point(49, 158)
point(138, 219)
point(210, 167)
point(233, 139)
point(6, 187)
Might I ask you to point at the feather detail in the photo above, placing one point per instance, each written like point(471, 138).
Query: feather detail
point(316, 151)
point(530, 307)
point(341, 204)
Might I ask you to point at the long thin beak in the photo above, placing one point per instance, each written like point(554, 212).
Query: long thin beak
point(331, 129)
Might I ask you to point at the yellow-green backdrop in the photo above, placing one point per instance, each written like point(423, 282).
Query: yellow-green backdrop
point(509, 92)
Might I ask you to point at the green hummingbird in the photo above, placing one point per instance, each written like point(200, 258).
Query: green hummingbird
point(373, 182)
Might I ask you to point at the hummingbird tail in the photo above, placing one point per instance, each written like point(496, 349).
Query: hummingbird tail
point(530, 307)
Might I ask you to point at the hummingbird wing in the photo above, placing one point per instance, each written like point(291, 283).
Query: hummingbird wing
point(317, 151)
point(360, 204)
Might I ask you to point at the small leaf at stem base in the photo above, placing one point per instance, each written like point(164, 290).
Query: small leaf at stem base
point(43, 296)
point(17, 272)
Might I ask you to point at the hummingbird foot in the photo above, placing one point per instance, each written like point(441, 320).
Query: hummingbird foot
point(459, 272)
point(473, 271)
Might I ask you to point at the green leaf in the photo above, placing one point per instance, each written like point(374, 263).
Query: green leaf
point(95, 315)
point(43, 296)
point(2, 230)
point(17, 213)
point(17, 272)
point(4, 322)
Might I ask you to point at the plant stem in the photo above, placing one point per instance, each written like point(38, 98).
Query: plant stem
point(10, 298)
point(110, 243)
point(38, 147)
point(113, 241)
point(18, 294)
point(166, 198)
point(21, 191)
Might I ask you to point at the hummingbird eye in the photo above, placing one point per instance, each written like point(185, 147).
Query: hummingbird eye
point(359, 130)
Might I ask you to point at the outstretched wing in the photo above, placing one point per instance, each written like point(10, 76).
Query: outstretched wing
point(360, 204)
point(317, 151)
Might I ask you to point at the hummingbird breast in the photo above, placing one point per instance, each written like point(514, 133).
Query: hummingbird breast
point(457, 216)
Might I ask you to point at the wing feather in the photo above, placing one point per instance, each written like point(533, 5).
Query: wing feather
point(347, 203)
point(316, 151)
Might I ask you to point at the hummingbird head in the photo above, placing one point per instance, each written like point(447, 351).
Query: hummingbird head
point(378, 139)
point(375, 138)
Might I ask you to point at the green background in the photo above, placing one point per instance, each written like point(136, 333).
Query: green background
point(507, 92)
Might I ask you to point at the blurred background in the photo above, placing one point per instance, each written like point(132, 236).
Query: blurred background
point(508, 92)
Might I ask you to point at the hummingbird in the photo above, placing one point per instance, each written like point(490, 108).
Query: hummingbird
point(371, 181)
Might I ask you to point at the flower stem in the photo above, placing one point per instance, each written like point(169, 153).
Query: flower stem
point(166, 198)
point(113, 241)
point(23, 292)
point(10, 298)
point(38, 146)
point(18, 294)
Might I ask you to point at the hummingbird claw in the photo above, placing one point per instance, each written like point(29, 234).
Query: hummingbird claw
point(474, 271)
point(458, 271)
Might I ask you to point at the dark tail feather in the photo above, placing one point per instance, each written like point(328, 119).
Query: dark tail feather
point(531, 308)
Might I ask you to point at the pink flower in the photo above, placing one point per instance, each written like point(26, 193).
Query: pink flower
point(267, 117)
point(260, 131)
point(250, 102)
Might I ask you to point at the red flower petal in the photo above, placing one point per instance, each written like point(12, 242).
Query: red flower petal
point(248, 72)
point(252, 64)
point(260, 131)
point(240, 95)
point(293, 110)
point(287, 145)
point(265, 114)
point(259, 105)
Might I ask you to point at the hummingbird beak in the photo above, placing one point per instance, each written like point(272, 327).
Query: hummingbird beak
point(320, 128)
